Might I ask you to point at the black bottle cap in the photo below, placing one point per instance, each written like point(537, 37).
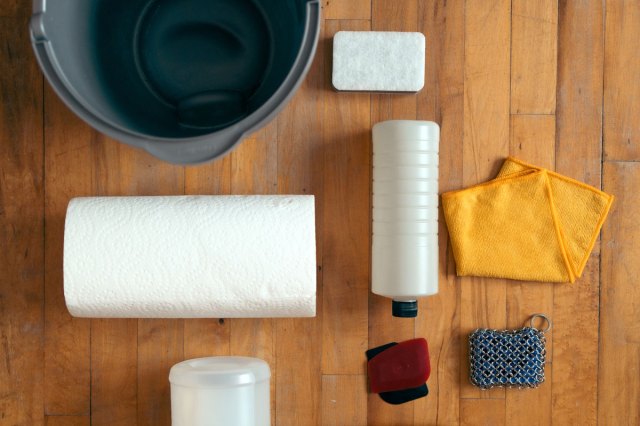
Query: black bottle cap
point(405, 309)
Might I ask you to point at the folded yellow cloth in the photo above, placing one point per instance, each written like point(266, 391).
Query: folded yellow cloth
point(527, 224)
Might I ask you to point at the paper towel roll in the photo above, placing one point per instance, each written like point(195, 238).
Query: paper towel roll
point(190, 257)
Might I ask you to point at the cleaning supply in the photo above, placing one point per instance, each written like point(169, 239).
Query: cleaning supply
point(528, 223)
point(512, 358)
point(399, 371)
point(404, 254)
point(220, 391)
point(380, 61)
point(190, 257)
point(398, 396)
point(186, 80)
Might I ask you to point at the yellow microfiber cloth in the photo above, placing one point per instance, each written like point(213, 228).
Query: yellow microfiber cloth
point(528, 223)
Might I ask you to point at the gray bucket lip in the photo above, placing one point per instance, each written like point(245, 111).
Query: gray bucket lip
point(188, 150)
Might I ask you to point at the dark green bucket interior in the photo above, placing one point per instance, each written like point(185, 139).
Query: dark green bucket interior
point(181, 68)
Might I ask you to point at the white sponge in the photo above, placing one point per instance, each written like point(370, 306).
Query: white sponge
point(378, 61)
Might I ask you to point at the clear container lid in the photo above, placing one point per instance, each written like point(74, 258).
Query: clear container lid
point(219, 372)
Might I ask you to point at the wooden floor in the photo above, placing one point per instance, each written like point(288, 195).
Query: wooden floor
point(555, 83)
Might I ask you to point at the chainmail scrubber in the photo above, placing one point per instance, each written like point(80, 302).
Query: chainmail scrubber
point(511, 358)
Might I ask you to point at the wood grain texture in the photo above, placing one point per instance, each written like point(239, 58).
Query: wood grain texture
point(619, 300)
point(346, 244)
point(442, 101)
point(532, 139)
point(486, 143)
point(114, 352)
point(344, 400)
point(578, 155)
point(482, 412)
point(160, 346)
point(21, 230)
point(346, 9)
point(13, 8)
point(621, 63)
point(298, 380)
point(68, 174)
point(579, 105)
point(534, 43)
point(68, 421)
point(206, 337)
point(574, 366)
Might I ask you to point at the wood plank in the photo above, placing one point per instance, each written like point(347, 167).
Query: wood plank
point(160, 346)
point(574, 367)
point(532, 140)
point(254, 170)
point(578, 155)
point(254, 167)
point(486, 143)
point(13, 8)
point(530, 407)
point(442, 101)
point(534, 45)
point(346, 219)
point(482, 412)
point(344, 400)
point(383, 327)
point(580, 76)
point(621, 96)
point(114, 352)
point(346, 9)
point(207, 337)
point(298, 380)
point(68, 174)
point(619, 353)
point(21, 229)
point(209, 179)
point(68, 421)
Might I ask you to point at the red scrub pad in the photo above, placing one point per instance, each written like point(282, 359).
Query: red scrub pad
point(402, 366)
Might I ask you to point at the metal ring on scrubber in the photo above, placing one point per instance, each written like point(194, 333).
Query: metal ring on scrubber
point(544, 318)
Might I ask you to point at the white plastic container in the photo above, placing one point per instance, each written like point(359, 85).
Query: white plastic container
point(393, 228)
point(401, 214)
point(405, 212)
point(398, 186)
point(405, 158)
point(407, 200)
point(220, 391)
point(404, 173)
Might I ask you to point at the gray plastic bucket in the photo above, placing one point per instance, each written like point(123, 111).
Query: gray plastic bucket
point(185, 80)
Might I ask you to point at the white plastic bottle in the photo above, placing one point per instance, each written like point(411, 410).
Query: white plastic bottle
point(404, 264)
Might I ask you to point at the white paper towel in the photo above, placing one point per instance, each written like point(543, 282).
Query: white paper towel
point(190, 257)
